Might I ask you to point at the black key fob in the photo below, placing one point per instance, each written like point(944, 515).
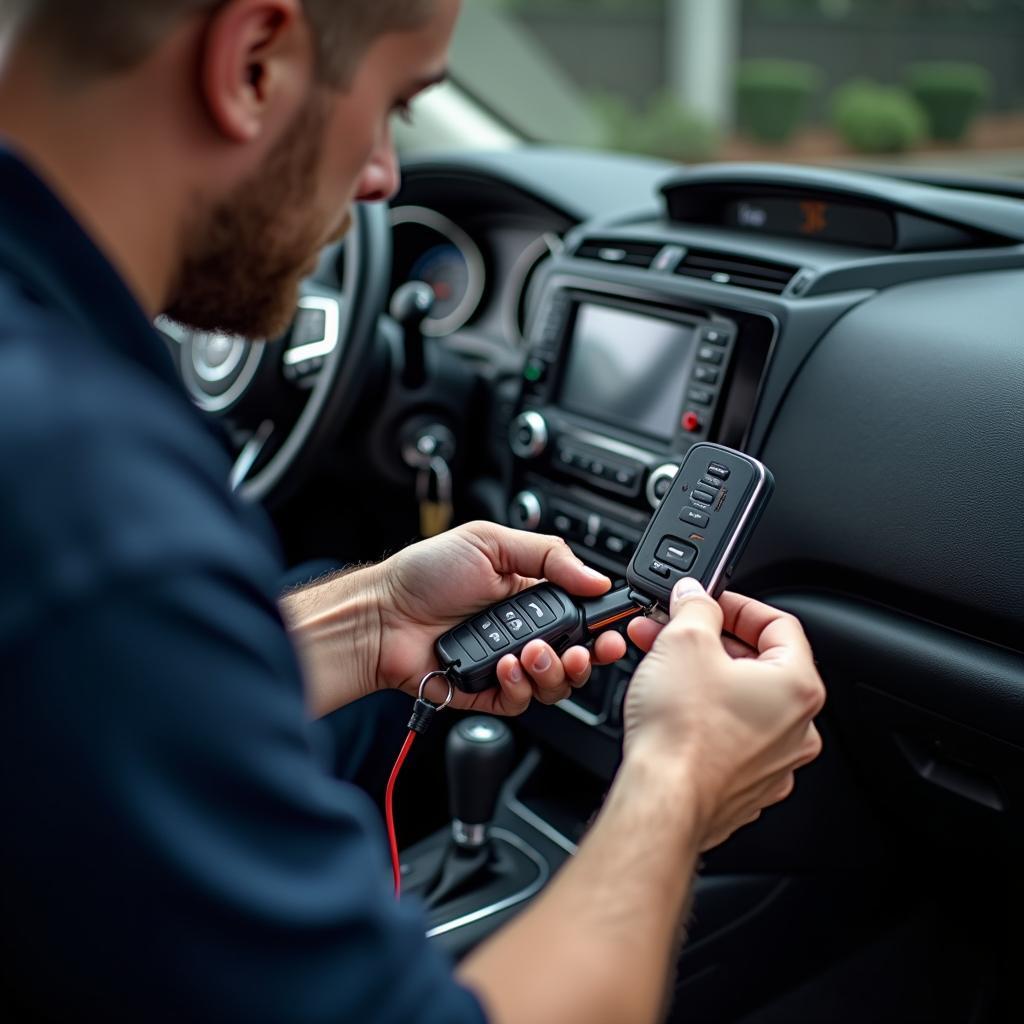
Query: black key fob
point(702, 525)
point(471, 652)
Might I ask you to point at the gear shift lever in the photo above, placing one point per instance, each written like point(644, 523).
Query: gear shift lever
point(479, 756)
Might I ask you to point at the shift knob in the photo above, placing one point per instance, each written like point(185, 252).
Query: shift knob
point(479, 756)
point(410, 306)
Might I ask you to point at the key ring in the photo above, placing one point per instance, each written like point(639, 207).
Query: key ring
point(436, 674)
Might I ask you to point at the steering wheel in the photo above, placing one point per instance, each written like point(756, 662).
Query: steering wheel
point(239, 380)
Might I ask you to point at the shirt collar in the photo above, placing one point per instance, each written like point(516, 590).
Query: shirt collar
point(43, 245)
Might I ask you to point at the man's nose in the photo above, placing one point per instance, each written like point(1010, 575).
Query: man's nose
point(382, 177)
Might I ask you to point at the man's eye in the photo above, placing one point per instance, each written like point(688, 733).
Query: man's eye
point(404, 112)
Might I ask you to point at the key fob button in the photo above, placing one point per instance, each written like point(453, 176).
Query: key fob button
point(716, 469)
point(660, 569)
point(470, 644)
point(495, 638)
point(490, 632)
point(703, 497)
point(677, 554)
point(695, 517)
point(514, 621)
point(535, 610)
point(711, 483)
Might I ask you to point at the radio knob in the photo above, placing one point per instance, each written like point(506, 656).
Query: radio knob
point(525, 511)
point(529, 435)
point(660, 482)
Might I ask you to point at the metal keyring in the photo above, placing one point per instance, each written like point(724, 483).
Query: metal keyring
point(437, 674)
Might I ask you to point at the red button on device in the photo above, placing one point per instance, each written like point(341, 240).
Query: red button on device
point(691, 422)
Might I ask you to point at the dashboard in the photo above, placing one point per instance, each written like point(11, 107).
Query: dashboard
point(858, 333)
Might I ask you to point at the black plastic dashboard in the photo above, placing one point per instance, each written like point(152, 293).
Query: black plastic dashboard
point(876, 367)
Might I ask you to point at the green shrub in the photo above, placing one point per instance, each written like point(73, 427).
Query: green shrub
point(874, 118)
point(664, 128)
point(951, 95)
point(774, 97)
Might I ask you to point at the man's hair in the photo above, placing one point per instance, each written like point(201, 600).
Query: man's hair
point(107, 36)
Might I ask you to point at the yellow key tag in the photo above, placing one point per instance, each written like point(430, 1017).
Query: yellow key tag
point(435, 515)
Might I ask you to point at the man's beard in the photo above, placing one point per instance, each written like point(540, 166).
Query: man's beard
point(245, 260)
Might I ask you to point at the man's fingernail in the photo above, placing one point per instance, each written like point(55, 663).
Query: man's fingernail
point(516, 674)
point(687, 587)
point(542, 662)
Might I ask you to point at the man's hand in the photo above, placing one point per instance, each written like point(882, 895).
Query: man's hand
point(430, 587)
point(737, 710)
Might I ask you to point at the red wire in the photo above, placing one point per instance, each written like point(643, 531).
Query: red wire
point(389, 812)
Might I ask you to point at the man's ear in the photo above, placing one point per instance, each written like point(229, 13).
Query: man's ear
point(256, 65)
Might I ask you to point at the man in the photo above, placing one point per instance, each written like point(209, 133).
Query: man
point(172, 850)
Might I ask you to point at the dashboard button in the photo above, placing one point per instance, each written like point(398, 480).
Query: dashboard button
point(709, 354)
point(700, 396)
point(705, 375)
point(714, 336)
point(692, 422)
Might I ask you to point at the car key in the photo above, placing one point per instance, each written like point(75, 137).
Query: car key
point(699, 530)
point(470, 653)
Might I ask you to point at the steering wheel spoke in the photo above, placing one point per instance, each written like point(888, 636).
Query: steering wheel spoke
point(250, 454)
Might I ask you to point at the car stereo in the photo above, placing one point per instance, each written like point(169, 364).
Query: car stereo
point(615, 391)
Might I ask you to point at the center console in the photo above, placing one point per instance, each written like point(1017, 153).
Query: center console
point(618, 384)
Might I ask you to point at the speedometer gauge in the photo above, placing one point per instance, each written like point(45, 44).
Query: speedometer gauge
point(431, 248)
point(445, 269)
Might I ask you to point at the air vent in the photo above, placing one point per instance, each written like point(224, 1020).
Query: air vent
point(737, 270)
point(618, 250)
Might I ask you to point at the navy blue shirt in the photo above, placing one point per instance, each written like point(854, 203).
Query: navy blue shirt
point(171, 847)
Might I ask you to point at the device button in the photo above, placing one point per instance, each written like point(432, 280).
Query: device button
point(470, 644)
point(626, 477)
point(700, 396)
point(695, 517)
point(717, 469)
point(703, 497)
point(705, 375)
point(535, 371)
point(711, 483)
point(567, 525)
point(535, 610)
point(492, 634)
point(677, 554)
point(709, 354)
point(512, 619)
point(660, 569)
point(713, 336)
point(692, 422)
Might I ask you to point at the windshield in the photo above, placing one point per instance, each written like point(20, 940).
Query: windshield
point(935, 84)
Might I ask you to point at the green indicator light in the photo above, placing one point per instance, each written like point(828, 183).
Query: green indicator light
point(533, 373)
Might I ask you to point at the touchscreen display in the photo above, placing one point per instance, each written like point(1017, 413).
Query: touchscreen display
point(628, 369)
